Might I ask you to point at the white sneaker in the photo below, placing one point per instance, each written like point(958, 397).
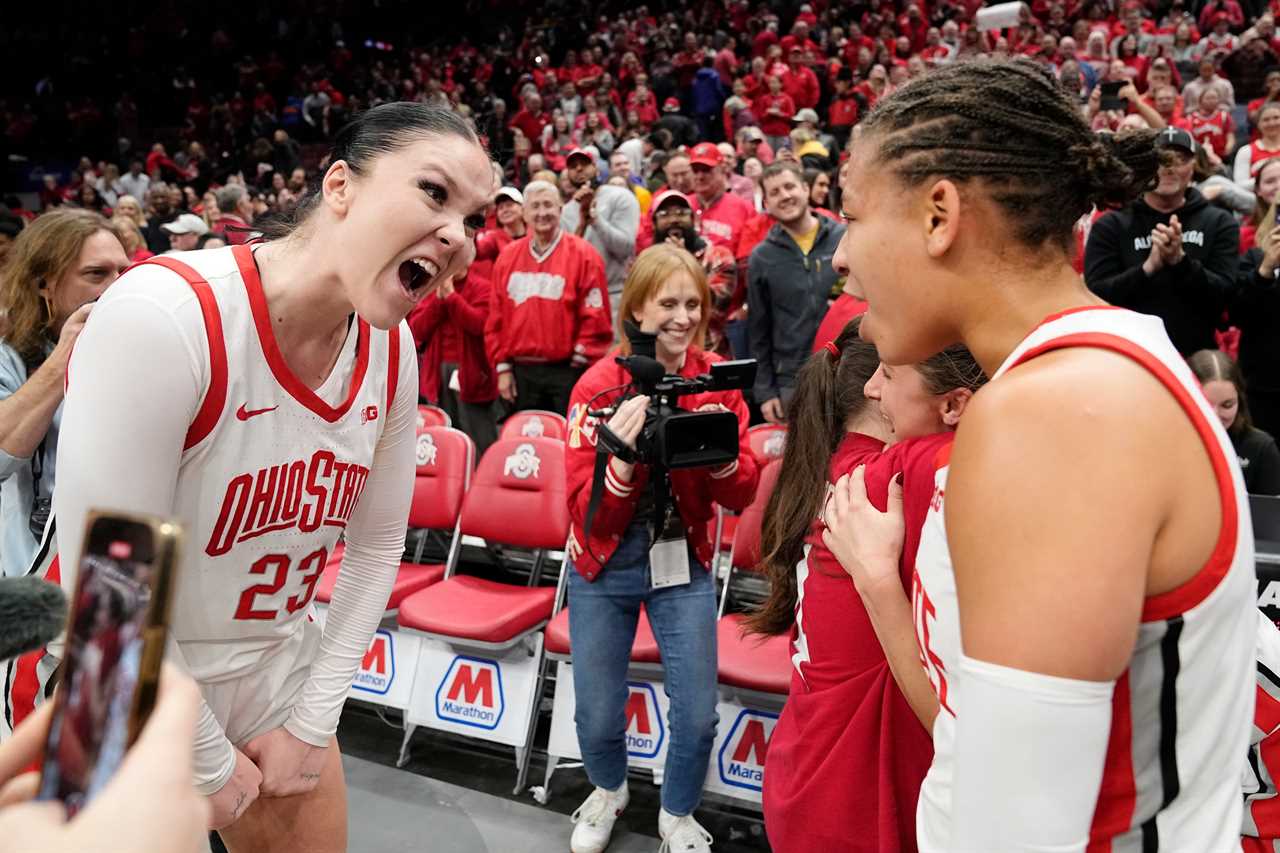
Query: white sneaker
point(594, 819)
point(682, 834)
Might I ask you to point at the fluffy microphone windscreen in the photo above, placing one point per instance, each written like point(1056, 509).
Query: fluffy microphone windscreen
point(32, 612)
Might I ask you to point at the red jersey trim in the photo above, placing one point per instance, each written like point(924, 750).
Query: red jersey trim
point(26, 682)
point(393, 366)
point(1117, 796)
point(279, 369)
point(1197, 588)
point(215, 398)
point(943, 457)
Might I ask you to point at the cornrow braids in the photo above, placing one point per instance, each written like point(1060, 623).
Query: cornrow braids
point(1009, 125)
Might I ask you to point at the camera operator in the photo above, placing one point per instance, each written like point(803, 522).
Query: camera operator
point(620, 566)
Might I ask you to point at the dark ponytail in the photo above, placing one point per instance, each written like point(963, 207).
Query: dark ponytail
point(383, 129)
point(828, 393)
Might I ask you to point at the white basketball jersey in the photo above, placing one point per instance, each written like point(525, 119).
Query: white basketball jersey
point(271, 471)
point(1181, 711)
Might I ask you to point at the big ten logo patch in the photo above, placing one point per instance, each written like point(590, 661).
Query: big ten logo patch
point(370, 413)
point(425, 453)
point(646, 729)
point(471, 693)
point(742, 757)
point(522, 463)
point(377, 670)
point(582, 427)
point(533, 428)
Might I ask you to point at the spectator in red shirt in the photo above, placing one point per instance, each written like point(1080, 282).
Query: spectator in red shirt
point(765, 39)
point(726, 62)
point(643, 102)
point(774, 111)
point(799, 38)
point(875, 86)
point(236, 215)
point(799, 81)
point(723, 213)
point(531, 119)
point(1235, 15)
point(1212, 125)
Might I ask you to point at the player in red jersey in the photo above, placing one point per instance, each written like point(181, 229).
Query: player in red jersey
point(266, 399)
point(1084, 603)
point(852, 713)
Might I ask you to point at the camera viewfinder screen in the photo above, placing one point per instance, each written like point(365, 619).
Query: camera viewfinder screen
point(90, 729)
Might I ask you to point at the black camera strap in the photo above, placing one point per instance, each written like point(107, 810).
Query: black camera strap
point(593, 503)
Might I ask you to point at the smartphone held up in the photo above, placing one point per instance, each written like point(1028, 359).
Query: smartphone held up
point(115, 640)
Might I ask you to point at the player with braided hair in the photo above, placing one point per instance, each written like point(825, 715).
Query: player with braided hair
point(1088, 537)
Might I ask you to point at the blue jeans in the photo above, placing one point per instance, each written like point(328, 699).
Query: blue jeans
point(602, 627)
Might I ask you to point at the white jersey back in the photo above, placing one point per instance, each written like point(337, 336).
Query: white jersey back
point(1181, 711)
point(270, 472)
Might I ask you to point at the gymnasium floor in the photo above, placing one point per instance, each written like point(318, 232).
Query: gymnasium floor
point(454, 796)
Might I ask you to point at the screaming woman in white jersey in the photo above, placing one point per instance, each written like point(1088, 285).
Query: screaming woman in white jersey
point(1083, 595)
point(266, 397)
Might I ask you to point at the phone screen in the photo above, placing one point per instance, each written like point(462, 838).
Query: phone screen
point(93, 723)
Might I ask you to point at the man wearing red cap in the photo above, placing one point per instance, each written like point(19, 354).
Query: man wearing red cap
point(683, 130)
point(723, 213)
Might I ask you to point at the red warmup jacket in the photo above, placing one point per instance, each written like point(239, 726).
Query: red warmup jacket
point(694, 491)
point(848, 755)
point(550, 310)
point(466, 309)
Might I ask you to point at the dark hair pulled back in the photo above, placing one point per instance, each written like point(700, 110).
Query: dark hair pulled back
point(380, 130)
point(1009, 125)
point(828, 393)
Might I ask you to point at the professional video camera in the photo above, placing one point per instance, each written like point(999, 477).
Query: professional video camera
point(673, 437)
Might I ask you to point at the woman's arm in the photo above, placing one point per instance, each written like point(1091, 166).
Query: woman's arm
point(374, 545)
point(1053, 477)
point(26, 411)
point(868, 545)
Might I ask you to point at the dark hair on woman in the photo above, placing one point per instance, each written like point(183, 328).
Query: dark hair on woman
point(954, 367)
point(1010, 126)
point(380, 130)
point(825, 400)
point(1211, 365)
point(828, 393)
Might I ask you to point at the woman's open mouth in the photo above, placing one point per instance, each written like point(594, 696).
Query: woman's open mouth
point(417, 275)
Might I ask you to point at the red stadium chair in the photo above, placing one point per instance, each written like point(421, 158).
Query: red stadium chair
point(749, 662)
point(518, 498)
point(535, 423)
point(429, 415)
point(768, 442)
point(445, 458)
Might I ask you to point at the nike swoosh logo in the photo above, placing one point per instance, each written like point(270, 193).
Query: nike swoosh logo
point(244, 414)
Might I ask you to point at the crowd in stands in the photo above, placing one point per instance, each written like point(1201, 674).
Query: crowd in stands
point(719, 127)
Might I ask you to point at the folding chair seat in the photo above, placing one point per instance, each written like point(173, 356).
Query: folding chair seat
point(749, 662)
point(445, 458)
point(643, 650)
point(753, 662)
point(535, 423)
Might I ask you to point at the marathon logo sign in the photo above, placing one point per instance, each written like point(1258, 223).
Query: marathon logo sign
point(471, 693)
point(741, 759)
point(378, 669)
point(646, 730)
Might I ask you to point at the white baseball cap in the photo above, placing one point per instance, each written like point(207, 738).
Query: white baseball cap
point(511, 193)
point(187, 223)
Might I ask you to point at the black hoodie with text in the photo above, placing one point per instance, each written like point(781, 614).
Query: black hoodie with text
point(1190, 296)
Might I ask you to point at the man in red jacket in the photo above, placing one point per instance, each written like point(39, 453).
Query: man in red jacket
point(549, 313)
point(799, 81)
